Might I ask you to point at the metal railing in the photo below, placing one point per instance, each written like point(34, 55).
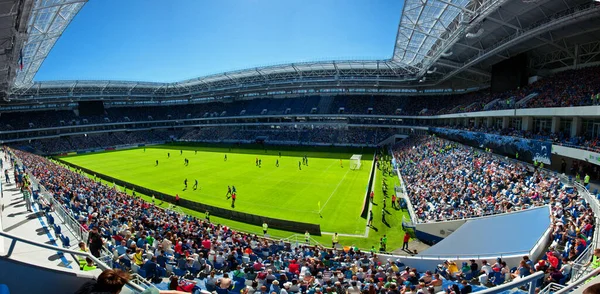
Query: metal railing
point(297, 240)
point(135, 284)
point(78, 231)
point(579, 282)
point(529, 281)
point(552, 288)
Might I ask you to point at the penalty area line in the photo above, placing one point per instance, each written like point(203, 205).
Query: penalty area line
point(331, 195)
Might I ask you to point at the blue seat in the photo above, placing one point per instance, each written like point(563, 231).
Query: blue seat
point(179, 272)
point(4, 289)
point(66, 241)
point(57, 230)
point(162, 272)
point(497, 278)
point(142, 273)
point(50, 220)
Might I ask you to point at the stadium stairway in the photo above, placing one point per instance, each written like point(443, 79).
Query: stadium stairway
point(34, 226)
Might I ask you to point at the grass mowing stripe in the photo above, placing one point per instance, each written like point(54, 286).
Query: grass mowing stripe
point(283, 192)
point(336, 187)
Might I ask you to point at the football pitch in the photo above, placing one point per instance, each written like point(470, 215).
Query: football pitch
point(284, 192)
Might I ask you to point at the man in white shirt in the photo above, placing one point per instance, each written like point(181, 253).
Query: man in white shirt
point(486, 269)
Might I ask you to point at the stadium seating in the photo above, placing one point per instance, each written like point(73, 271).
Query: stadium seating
point(190, 247)
point(565, 89)
point(447, 181)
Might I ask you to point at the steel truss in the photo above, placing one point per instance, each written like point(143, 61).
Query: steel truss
point(573, 56)
point(560, 19)
point(47, 21)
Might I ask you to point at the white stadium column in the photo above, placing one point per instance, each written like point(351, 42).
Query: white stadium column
point(555, 127)
point(576, 126)
point(527, 123)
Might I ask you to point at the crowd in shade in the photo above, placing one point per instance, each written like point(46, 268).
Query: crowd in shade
point(446, 180)
point(565, 89)
point(204, 256)
point(227, 134)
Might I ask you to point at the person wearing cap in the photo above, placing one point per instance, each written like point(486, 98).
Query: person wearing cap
point(274, 287)
point(286, 288)
point(465, 270)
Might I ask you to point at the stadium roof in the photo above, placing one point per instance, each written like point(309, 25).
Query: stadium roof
point(441, 44)
point(423, 23)
point(48, 20)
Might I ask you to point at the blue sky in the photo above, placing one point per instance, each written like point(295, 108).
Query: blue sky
point(166, 41)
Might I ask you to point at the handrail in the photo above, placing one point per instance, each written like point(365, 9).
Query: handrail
point(531, 279)
point(579, 282)
point(101, 265)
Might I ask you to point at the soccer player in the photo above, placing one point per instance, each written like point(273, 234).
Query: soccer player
point(384, 242)
point(207, 216)
point(195, 152)
point(233, 190)
point(299, 165)
point(303, 160)
point(307, 161)
point(225, 159)
point(265, 227)
point(307, 238)
point(341, 164)
point(157, 162)
point(233, 200)
point(168, 155)
point(180, 152)
point(370, 223)
point(185, 183)
point(228, 192)
point(372, 196)
point(277, 162)
point(153, 198)
point(257, 161)
point(144, 149)
point(195, 184)
point(279, 154)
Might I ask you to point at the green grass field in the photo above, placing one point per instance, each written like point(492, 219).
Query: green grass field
point(283, 192)
point(394, 231)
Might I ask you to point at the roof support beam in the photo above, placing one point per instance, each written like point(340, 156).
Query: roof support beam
point(585, 12)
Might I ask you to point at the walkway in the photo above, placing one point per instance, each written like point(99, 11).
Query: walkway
point(30, 225)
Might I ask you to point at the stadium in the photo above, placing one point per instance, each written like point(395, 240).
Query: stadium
point(467, 160)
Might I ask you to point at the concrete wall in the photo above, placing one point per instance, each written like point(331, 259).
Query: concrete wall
point(27, 278)
point(435, 232)
point(588, 156)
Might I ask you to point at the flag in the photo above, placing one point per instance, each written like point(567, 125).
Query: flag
point(21, 59)
point(319, 204)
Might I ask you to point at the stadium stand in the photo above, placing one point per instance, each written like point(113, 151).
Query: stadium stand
point(153, 242)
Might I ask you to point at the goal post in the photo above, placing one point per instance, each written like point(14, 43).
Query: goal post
point(355, 161)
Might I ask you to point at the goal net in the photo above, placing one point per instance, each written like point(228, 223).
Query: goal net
point(355, 161)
